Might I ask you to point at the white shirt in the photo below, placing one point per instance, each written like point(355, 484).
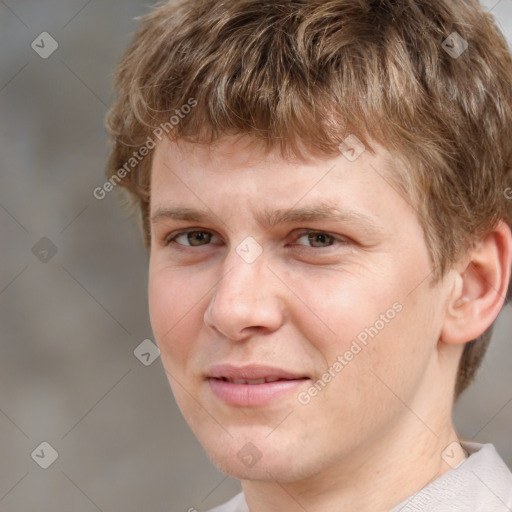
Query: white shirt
point(481, 483)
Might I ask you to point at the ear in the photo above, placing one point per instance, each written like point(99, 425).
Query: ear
point(480, 287)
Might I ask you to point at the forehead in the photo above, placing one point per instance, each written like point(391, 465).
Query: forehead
point(241, 152)
point(239, 166)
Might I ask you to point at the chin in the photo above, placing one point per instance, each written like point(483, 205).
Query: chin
point(254, 456)
point(263, 470)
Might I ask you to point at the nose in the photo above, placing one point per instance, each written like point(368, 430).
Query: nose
point(246, 300)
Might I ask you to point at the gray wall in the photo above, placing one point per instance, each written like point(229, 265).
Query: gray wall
point(69, 325)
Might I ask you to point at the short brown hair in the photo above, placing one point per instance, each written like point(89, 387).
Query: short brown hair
point(292, 72)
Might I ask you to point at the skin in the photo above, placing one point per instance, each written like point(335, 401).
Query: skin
point(376, 433)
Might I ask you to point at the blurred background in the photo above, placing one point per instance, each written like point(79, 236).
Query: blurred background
point(73, 299)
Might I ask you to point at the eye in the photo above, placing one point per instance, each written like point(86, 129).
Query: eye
point(308, 238)
point(192, 238)
point(319, 239)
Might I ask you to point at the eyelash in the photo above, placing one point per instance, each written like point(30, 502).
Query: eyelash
point(171, 239)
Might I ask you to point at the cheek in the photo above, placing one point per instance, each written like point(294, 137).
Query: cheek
point(372, 318)
point(175, 312)
point(337, 307)
point(395, 342)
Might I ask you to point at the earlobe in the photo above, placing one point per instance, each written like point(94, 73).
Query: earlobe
point(479, 291)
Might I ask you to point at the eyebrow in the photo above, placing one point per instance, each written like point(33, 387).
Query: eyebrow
point(272, 218)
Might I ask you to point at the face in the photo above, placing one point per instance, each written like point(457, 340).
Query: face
point(290, 302)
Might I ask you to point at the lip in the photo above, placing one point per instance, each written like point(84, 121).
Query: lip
point(239, 394)
point(251, 372)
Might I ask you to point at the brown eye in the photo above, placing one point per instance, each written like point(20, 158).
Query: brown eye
point(318, 239)
point(198, 237)
point(192, 238)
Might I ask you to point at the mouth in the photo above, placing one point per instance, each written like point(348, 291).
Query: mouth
point(263, 380)
point(254, 385)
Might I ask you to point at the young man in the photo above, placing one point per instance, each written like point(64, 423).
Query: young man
point(323, 192)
